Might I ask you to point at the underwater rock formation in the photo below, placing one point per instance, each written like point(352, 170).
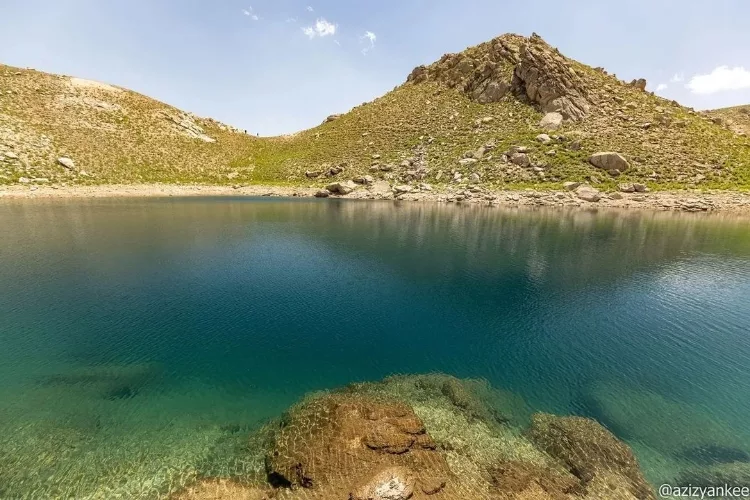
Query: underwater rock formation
point(432, 437)
point(589, 450)
point(685, 431)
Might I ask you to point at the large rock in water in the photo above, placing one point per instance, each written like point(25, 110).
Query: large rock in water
point(610, 162)
point(346, 445)
point(589, 450)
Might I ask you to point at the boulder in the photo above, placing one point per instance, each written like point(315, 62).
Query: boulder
point(474, 178)
point(571, 186)
point(640, 188)
point(639, 83)
point(626, 187)
point(588, 450)
point(322, 193)
point(342, 188)
point(609, 161)
point(311, 175)
point(11, 155)
point(588, 193)
point(66, 162)
point(520, 159)
point(551, 121)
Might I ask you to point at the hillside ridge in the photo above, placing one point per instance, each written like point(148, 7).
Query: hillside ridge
point(511, 112)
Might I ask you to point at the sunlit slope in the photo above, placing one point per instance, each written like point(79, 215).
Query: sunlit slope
point(456, 120)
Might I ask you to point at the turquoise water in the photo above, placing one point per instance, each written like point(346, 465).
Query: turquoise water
point(139, 337)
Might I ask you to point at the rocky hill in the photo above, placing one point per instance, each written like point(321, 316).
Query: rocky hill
point(512, 112)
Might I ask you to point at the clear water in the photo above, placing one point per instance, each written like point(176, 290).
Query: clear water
point(136, 335)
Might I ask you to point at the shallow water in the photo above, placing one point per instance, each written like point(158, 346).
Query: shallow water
point(136, 335)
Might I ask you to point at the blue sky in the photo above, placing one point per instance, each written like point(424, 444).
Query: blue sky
point(278, 66)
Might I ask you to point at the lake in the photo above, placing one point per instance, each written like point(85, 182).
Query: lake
point(141, 340)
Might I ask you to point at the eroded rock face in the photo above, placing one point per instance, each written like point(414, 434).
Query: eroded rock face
point(526, 67)
point(549, 80)
point(589, 450)
point(347, 444)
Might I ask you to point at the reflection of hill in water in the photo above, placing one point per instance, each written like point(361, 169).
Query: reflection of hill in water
point(573, 247)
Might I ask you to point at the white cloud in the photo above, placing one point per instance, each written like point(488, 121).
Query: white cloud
point(370, 37)
point(720, 79)
point(309, 9)
point(321, 28)
point(661, 86)
point(678, 78)
point(247, 12)
point(254, 17)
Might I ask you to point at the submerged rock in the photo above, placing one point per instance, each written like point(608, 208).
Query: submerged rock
point(665, 424)
point(588, 449)
point(350, 444)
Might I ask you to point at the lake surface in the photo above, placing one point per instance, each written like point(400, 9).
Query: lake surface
point(137, 337)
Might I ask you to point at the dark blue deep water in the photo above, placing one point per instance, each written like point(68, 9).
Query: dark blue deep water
point(133, 331)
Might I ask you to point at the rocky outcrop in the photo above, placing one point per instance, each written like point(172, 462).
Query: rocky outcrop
point(526, 67)
point(589, 450)
point(549, 80)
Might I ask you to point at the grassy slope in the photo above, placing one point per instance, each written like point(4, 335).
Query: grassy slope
point(681, 149)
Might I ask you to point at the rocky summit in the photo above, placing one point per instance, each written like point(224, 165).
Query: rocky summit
point(512, 112)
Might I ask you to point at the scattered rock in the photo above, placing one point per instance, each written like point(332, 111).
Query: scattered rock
point(626, 187)
point(67, 163)
point(322, 193)
point(640, 188)
point(342, 188)
point(588, 193)
point(11, 155)
point(640, 84)
point(520, 159)
point(404, 188)
point(571, 186)
point(544, 138)
point(24, 180)
point(311, 175)
point(467, 161)
point(375, 157)
point(332, 118)
point(364, 179)
point(474, 178)
point(551, 121)
point(386, 168)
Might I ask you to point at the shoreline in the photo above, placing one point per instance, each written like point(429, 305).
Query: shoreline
point(687, 201)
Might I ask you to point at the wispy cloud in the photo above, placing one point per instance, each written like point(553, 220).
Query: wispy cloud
point(661, 86)
point(321, 28)
point(369, 38)
point(248, 12)
point(291, 20)
point(310, 9)
point(720, 79)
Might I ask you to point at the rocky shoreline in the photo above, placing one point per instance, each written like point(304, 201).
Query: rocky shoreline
point(571, 196)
